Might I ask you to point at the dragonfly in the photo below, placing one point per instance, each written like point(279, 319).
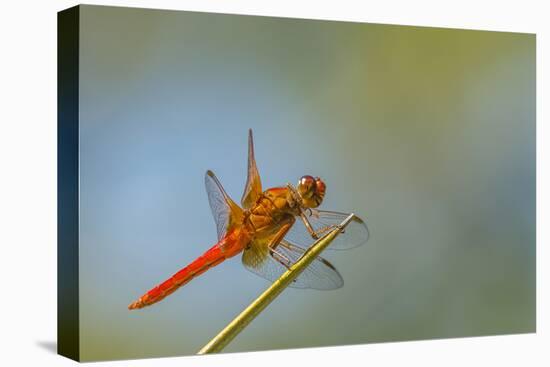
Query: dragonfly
point(272, 229)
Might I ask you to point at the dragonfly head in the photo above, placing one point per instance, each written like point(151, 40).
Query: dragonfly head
point(311, 190)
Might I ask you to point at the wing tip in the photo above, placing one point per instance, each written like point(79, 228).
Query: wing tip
point(251, 142)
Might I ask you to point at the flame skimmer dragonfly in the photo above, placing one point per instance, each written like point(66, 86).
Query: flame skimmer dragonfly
point(264, 230)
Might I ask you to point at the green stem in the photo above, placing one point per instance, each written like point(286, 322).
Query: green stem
point(225, 336)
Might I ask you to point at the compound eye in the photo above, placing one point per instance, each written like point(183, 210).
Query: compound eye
point(306, 186)
point(320, 187)
point(307, 182)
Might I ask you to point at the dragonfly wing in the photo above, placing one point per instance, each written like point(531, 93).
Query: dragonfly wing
point(320, 274)
point(253, 188)
point(322, 221)
point(225, 211)
point(256, 258)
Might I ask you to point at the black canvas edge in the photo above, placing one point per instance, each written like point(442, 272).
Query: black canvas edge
point(68, 34)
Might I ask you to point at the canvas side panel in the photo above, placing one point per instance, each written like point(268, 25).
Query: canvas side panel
point(67, 182)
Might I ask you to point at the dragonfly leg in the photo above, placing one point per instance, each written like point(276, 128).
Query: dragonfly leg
point(281, 259)
point(315, 234)
point(292, 246)
point(276, 240)
point(308, 226)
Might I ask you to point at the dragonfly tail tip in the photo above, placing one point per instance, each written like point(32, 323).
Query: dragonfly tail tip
point(135, 305)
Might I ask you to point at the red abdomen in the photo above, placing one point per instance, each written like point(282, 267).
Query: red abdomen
point(229, 246)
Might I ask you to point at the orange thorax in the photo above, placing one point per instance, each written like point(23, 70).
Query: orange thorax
point(271, 208)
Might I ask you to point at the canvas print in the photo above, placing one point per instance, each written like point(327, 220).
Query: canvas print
point(232, 183)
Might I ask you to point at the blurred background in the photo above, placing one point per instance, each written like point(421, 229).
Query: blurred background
point(428, 134)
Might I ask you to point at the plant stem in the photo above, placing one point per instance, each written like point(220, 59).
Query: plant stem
point(225, 336)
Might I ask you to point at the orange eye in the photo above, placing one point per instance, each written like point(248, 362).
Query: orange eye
point(307, 181)
point(320, 187)
point(306, 186)
point(311, 190)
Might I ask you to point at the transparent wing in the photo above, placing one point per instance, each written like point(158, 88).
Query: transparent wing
point(253, 187)
point(321, 274)
point(322, 221)
point(224, 209)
